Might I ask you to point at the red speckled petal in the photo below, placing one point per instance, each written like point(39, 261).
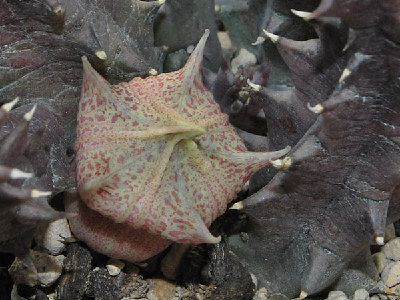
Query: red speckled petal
point(158, 155)
point(110, 238)
point(172, 212)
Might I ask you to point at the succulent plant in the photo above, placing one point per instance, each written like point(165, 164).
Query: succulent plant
point(40, 60)
point(42, 42)
point(155, 155)
point(342, 188)
point(25, 152)
point(311, 219)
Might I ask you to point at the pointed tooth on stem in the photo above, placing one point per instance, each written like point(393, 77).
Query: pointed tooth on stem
point(9, 106)
point(37, 193)
point(18, 174)
point(380, 240)
point(351, 37)
point(254, 87)
point(317, 109)
point(273, 37)
point(28, 116)
point(260, 157)
point(237, 205)
point(282, 164)
point(101, 54)
point(259, 41)
point(346, 73)
point(302, 14)
point(277, 163)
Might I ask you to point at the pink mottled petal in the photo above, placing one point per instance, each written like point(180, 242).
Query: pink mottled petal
point(156, 156)
point(175, 205)
point(110, 238)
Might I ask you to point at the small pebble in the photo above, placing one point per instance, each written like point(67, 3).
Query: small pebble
point(380, 261)
point(199, 296)
point(114, 266)
point(49, 269)
point(52, 296)
point(134, 286)
point(190, 49)
point(264, 294)
point(278, 297)
point(391, 274)
point(395, 290)
point(336, 295)
point(361, 294)
point(261, 294)
point(161, 289)
point(244, 58)
point(244, 236)
point(51, 236)
point(392, 249)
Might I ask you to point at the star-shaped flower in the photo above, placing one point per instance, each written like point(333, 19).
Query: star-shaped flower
point(156, 162)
